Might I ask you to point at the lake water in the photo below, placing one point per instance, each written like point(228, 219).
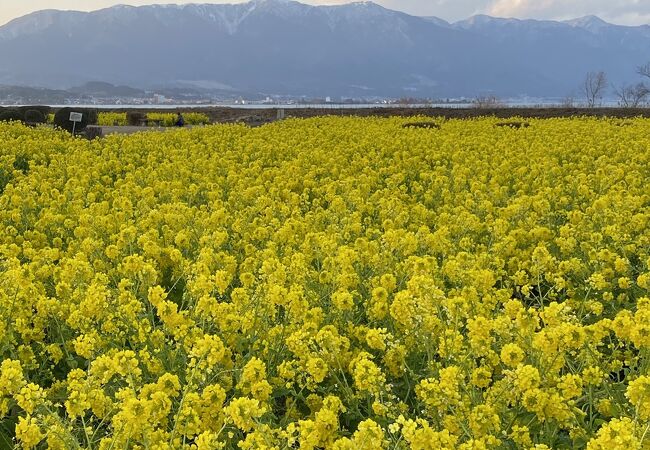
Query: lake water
point(509, 104)
point(270, 106)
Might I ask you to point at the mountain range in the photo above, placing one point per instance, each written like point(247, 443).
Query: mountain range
point(288, 48)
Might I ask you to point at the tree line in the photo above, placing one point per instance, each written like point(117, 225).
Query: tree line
point(629, 96)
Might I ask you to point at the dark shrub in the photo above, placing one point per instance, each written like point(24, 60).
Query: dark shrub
point(92, 132)
point(11, 115)
point(62, 118)
point(45, 110)
point(21, 163)
point(135, 118)
point(5, 178)
point(33, 116)
point(515, 125)
point(421, 125)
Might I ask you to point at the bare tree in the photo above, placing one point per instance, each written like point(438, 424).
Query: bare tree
point(487, 102)
point(594, 87)
point(632, 96)
point(644, 71)
point(568, 102)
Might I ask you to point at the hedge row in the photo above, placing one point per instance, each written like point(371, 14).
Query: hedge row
point(31, 115)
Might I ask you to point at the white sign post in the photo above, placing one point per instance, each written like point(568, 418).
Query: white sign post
point(75, 117)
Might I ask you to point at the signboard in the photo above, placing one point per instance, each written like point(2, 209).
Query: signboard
point(75, 118)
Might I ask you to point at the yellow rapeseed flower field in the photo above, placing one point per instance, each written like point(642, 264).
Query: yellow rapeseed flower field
point(332, 283)
point(108, 119)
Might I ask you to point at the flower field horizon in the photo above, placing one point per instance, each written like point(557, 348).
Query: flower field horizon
point(328, 283)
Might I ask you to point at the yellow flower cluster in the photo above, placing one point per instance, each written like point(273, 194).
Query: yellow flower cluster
point(169, 119)
point(108, 119)
point(339, 283)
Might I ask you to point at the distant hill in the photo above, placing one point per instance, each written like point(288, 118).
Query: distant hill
point(88, 92)
point(106, 90)
point(285, 47)
point(33, 96)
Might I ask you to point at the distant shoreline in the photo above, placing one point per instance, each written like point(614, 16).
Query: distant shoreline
point(325, 106)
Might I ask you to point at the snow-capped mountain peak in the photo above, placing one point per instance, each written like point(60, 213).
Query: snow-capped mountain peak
point(588, 22)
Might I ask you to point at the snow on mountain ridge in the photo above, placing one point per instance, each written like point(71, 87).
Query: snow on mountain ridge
point(230, 17)
point(33, 23)
point(42, 19)
point(590, 21)
point(482, 20)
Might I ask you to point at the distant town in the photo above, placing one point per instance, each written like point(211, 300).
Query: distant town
point(105, 94)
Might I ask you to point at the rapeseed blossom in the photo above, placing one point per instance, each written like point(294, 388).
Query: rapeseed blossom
point(338, 283)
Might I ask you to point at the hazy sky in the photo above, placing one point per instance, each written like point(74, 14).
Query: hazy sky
point(632, 12)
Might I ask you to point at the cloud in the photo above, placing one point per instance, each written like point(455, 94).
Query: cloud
point(618, 11)
point(512, 8)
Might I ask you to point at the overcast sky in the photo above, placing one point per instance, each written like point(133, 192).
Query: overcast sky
point(629, 12)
